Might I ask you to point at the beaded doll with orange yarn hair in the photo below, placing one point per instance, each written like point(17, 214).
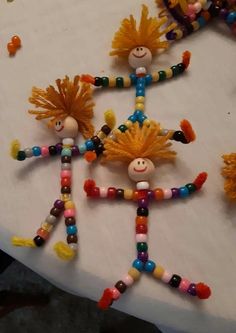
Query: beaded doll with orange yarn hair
point(229, 172)
point(69, 108)
point(140, 146)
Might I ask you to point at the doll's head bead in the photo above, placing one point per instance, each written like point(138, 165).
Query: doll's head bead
point(149, 266)
point(138, 264)
point(141, 169)
point(175, 193)
point(59, 204)
point(175, 281)
point(66, 128)
point(143, 256)
point(121, 286)
point(140, 56)
point(192, 289)
point(39, 241)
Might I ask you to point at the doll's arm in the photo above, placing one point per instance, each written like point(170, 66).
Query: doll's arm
point(108, 82)
point(186, 135)
point(94, 191)
point(181, 192)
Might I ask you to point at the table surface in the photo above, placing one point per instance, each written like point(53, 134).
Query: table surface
point(195, 238)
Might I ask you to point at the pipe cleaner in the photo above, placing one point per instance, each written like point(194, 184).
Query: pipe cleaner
point(69, 108)
point(191, 15)
point(140, 146)
point(229, 172)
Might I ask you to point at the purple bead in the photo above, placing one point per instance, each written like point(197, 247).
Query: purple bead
point(143, 256)
point(175, 193)
point(75, 151)
point(223, 13)
point(192, 289)
point(150, 194)
point(59, 204)
point(171, 35)
point(59, 147)
point(143, 203)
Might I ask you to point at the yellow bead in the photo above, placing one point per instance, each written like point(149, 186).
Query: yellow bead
point(112, 81)
point(128, 123)
point(128, 194)
point(195, 25)
point(139, 99)
point(46, 226)
point(158, 272)
point(134, 273)
point(169, 73)
point(65, 197)
point(127, 81)
point(155, 76)
point(101, 135)
point(116, 131)
point(139, 106)
point(69, 205)
point(147, 122)
point(179, 34)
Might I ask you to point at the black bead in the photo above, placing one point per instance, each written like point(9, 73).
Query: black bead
point(39, 241)
point(66, 159)
point(69, 221)
point(141, 211)
point(96, 140)
point(65, 189)
point(175, 281)
point(179, 136)
point(106, 129)
point(181, 66)
point(21, 155)
point(52, 150)
point(119, 193)
point(99, 149)
point(55, 211)
point(121, 286)
point(98, 81)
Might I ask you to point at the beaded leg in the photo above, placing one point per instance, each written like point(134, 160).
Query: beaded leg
point(44, 231)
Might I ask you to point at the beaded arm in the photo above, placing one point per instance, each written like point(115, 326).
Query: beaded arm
point(94, 191)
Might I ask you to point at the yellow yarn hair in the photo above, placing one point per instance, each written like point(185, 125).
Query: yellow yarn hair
point(63, 251)
point(229, 172)
point(148, 34)
point(17, 241)
point(139, 142)
point(15, 147)
point(69, 99)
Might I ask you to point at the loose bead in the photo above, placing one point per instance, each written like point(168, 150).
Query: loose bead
point(65, 182)
point(16, 41)
point(46, 226)
point(184, 285)
point(158, 272)
point(138, 264)
point(183, 192)
point(82, 148)
point(142, 247)
point(159, 195)
point(143, 256)
point(55, 211)
point(66, 174)
point(175, 281)
point(141, 238)
point(111, 193)
point(141, 211)
point(69, 205)
point(166, 277)
point(128, 280)
point(192, 289)
point(44, 151)
point(43, 233)
point(72, 238)
point(11, 48)
point(39, 241)
point(141, 220)
point(115, 293)
point(141, 228)
point(71, 230)
point(121, 286)
point(66, 166)
point(73, 246)
point(51, 219)
point(52, 150)
point(134, 273)
point(149, 266)
point(167, 193)
point(69, 221)
point(175, 193)
point(59, 204)
point(69, 213)
point(28, 152)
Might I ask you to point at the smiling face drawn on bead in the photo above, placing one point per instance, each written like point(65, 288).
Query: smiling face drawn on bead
point(141, 169)
point(66, 128)
point(140, 56)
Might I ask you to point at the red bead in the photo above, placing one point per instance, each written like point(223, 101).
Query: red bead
point(141, 229)
point(95, 192)
point(11, 48)
point(203, 291)
point(111, 193)
point(16, 41)
point(65, 181)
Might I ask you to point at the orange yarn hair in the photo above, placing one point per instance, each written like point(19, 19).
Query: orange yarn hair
point(229, 172)
point(69, 98)
point(138, 142)
point(148, 34)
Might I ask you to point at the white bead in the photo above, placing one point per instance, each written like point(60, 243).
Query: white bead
point(51, 219)
point(141, 71)
point(73, 246)
point(142, 185)
point(141, 238)
point(167, 193)
point(103, 192)
point(28, 152)
point(128, 280)
point(68, 141)
point(66, 166)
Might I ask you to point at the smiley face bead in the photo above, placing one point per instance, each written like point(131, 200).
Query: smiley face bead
point(140, 57)
point(141, 169)
point(66, 128)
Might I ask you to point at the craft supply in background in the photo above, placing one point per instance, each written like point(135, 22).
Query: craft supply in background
point(229, 172)
point(14, 45)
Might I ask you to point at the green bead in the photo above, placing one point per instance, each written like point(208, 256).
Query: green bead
point(21, 155)
point(191, 187)
point(120, 82)
point(142, 247)
point(122, 128)
point(105, 81)
point(162, 75)
point(175, 70)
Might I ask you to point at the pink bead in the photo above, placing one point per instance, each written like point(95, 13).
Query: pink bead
point(167, 193)
point(184, 284)
point(69, 213)
point(115, 293)
point(128, 280)
point(166, 277)
point(44, 151)
point(103, 192)
point(66, 174)
point(140, 238)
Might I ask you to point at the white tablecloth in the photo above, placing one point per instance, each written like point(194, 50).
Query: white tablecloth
point(195, 238)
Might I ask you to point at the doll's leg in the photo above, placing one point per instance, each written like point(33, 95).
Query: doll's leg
point(200, 289)
point(44, 231)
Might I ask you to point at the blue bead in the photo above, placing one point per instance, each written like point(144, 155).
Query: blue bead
point(149, 266)
point(140, 86)
point(142, 118)
point(183, 192)
point(82, 148)
point(89, 145)
point(133, 78)
point(138, 113)
point(231, 18)
point(138, 264)
point(140, 92)
point(148, 79)
point(66, 152)
point(201, 21)
point(141, 80)
point(36, 151)
point(71, 229)
point(132, 118)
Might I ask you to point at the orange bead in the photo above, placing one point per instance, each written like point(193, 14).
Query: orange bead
point(158, 194)
point(11, 48)
point(135, 195)
point(43, 233)
point(16, 41)
point(141, 220)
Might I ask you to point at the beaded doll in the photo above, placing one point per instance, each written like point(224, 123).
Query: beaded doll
point(140, 146)
point(139, 45)
point(191, 15)
point(229, 172)
point(69, 107)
